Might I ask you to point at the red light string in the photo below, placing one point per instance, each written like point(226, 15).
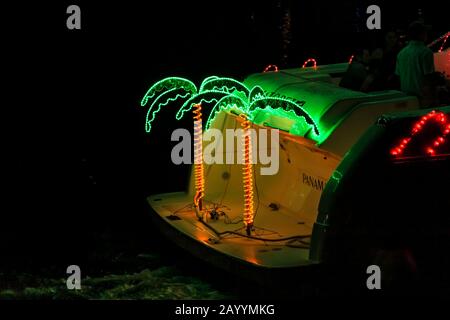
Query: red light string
point(271, 67)
point(310, 60)
point(443, 37)
point(443, 43)
point(351, 59)
point(439, 117)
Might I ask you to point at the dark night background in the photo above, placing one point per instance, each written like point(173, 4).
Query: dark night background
point(78, 162)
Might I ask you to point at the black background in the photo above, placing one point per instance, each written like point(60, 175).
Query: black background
point(78, 162)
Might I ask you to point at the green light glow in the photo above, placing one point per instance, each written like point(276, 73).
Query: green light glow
point(206, 80)
point(166, 96)
point(228, 94)
point(256, 93)
point(298, 125)
point(206, 96)
point(224, 104)
point(223, 84)
point(168, 83)
point(286, 106)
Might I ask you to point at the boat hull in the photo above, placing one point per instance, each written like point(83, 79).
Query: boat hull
point(251, 260)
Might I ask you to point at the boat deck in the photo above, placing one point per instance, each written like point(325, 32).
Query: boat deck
point(271, 224)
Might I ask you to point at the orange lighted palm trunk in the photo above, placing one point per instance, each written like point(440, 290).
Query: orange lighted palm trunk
point(198, 157)
point(247, 173)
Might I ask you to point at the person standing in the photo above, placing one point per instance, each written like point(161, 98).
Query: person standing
point(415, 64)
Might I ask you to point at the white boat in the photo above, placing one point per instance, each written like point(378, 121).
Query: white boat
point(278, 242)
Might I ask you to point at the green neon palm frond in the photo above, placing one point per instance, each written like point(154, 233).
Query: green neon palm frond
point(206, 80)
point(226, 94)
point(285, 105)
point(224, 84)
point(256, 93)
point(226, 103)
point(204, 98)
point(162, 86)
point(163, 100)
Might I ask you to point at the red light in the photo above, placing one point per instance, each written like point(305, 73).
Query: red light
point(271, 67)
point(351, 59)
point(310, 60)
point(443, 43)
point(440, 118)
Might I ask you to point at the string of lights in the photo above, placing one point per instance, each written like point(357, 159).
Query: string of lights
point(224, 84)
point(158, 104)
point(350, 60)
point(227, 94)
point(198, 156)
point(443, 42)
point(203, 98)
point(247, 175)
point(271, 68)
point(166, 84)
point(256, 93)
point(286, 105)
point(444, 37)
point(230, 92)
point(440, 118)
point(310, 60)
point(224, 104)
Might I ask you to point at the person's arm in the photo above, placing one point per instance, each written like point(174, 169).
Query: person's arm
point(367, 83)
point(394, 81)
point(428, 63)
point(428, 88)
point(397, 67)
point(428, 71)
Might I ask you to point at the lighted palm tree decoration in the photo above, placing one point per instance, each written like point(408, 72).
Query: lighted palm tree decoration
point(222, 94)
point(211, 90)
